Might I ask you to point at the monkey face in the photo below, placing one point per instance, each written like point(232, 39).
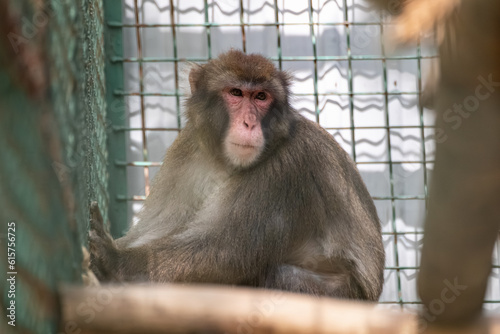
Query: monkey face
point(246, 105)
point(237, 105)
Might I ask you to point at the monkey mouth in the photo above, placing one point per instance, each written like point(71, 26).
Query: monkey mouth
point(243, 146)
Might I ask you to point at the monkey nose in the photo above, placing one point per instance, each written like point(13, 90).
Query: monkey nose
point(249, 124)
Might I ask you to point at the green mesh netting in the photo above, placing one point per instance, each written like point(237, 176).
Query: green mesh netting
point(53, 147)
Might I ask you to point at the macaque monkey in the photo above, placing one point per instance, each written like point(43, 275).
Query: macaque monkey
point(251, 193)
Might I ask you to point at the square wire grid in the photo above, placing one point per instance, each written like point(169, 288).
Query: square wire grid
point(344, 78)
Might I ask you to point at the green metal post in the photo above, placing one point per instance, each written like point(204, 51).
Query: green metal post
point(116, 120)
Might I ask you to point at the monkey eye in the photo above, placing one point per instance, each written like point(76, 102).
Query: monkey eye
point(261, 96)
point(236, 92)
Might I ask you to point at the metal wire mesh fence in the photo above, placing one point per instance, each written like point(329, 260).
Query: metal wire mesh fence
point(347, 78)
point(53, 144)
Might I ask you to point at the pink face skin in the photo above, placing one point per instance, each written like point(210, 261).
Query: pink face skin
point(244, 141)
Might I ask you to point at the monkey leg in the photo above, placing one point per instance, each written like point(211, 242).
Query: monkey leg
point(297, 279)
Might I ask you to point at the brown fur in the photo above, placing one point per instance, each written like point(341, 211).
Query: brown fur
point(299, 219)
point(422, 16)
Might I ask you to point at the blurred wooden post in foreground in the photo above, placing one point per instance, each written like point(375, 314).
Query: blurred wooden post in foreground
point(464, 207)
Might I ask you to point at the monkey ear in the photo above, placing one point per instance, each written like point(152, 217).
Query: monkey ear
point(286, 78)
point(194, 76)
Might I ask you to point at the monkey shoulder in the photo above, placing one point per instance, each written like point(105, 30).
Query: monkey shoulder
point(325, 170)
point(186, 180)
point(316, 147)
point(309, 164)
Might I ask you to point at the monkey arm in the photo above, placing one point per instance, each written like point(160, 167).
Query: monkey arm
point(107, 260)
point(228, 242)
point(210, 258)
point(229, 245)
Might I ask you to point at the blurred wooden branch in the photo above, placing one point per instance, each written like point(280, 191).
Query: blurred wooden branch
point(216, 309)
point(133, 309)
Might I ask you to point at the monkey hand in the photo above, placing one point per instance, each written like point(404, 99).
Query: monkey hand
point(104, 255)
